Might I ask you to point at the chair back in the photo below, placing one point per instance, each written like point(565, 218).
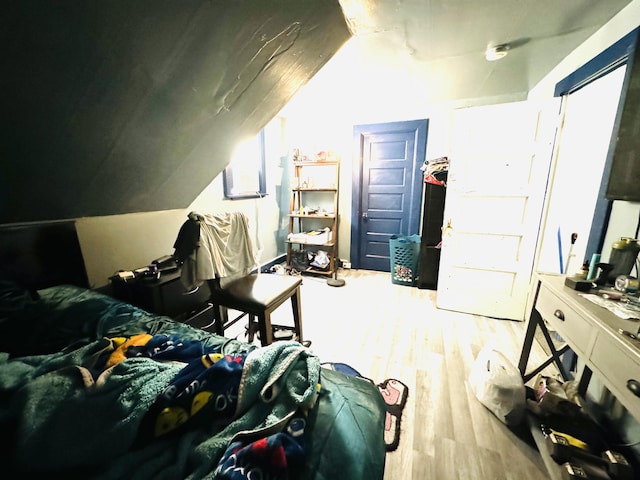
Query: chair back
point(214, 246)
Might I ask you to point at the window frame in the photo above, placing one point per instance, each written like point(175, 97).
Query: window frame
point(229, 179)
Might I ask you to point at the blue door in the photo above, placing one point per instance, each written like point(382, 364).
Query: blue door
point(387, 189)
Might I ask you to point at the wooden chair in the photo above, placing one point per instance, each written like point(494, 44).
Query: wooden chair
point(221, 243)
point(256, 295)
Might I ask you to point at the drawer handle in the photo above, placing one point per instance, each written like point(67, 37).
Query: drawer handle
point(191, 292)
point(558, 314)
point(634, 386)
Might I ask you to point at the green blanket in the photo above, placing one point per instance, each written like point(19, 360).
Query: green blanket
point(62, 416)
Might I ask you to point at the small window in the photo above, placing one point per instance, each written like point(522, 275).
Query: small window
point(244, 177)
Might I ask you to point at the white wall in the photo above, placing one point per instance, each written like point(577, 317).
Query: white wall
point(620, 25)
point(568, 189)
point(321, 115)
point(126, 242)
point(263, 213)
point(582, 145)
point(328, 107)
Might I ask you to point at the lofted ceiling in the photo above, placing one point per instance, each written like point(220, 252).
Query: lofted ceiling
point(441, 43)
point(136, 105)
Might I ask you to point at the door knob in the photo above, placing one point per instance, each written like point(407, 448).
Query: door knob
point(446, 230)
point(365, 217)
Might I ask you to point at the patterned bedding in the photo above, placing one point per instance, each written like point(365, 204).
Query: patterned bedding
point(91, 387)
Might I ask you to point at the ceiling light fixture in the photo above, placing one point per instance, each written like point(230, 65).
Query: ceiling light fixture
point(496, 53)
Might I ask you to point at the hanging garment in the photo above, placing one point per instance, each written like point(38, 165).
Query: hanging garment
point(224, 248)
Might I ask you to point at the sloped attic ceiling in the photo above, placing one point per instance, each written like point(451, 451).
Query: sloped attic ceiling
point(122, 106)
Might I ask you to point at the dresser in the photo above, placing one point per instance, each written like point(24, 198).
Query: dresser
point(168, 296)
point(593, 333)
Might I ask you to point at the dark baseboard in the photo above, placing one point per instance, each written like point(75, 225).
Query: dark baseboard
point(266, 267)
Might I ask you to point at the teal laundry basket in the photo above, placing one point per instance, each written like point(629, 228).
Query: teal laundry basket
point(405, 252)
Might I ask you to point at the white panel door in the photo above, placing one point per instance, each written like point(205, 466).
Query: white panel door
point(499, 165)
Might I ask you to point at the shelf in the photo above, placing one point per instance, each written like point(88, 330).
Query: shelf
point(312, 189)
point(293, 242)
point(317, 272)
point(300, 215)
point(313, 164)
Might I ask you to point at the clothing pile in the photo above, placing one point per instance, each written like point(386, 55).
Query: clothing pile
point(435, 171)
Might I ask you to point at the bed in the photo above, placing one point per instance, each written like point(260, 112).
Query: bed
point(93, 387)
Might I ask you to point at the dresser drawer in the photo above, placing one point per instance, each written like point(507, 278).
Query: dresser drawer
point(166, 296)
point(202, 317)
point(569, 324)
point(172, 298)
point(618, 368)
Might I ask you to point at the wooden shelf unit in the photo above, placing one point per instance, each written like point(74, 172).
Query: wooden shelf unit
point(304, 186)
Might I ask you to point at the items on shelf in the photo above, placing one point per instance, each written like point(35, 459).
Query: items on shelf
point(313, 211)
point(320, 156)
point(313, 217)
point(312, 237)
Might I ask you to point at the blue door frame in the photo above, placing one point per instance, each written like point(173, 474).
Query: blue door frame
point(618, 54)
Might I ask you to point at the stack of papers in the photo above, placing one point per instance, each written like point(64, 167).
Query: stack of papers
point(313, 237)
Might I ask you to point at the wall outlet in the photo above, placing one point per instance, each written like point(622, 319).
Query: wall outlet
point(345, 264)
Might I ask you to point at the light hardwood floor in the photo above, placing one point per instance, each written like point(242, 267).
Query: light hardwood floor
point(385, 330)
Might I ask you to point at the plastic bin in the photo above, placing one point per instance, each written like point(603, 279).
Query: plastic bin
point(405, 252)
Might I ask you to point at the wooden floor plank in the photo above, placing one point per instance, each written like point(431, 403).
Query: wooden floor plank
point(386, 330)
